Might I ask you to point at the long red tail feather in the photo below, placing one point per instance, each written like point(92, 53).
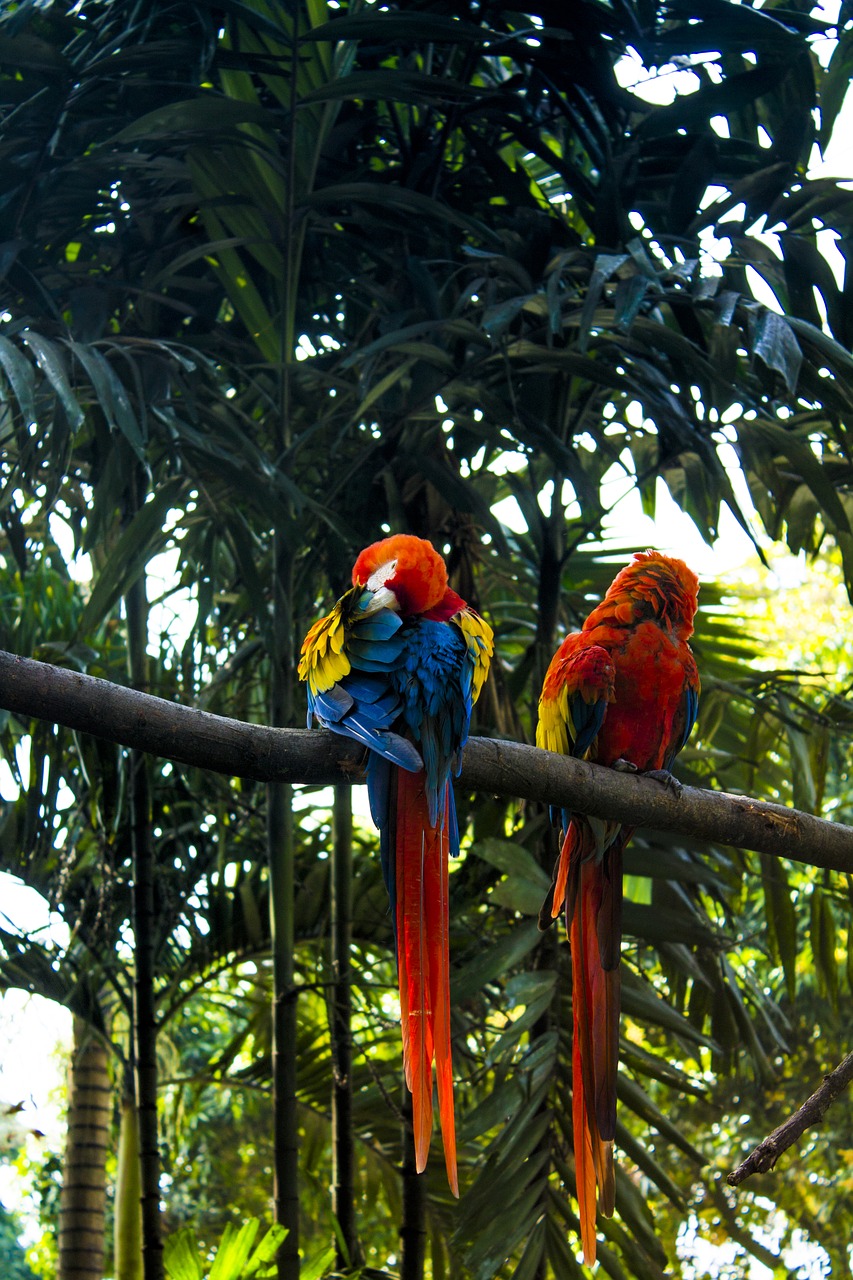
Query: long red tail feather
point(423, 960)
point(595, 1005)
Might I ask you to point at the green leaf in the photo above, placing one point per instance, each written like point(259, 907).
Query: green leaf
point(778, 347)
point(391, 85)
point(495, 1110)
point(400, 199)
point(641, 1002)
point(781, 918)
point(531, 1259)
point(388, 26)
point(670, 864)
point(319, 1264)
point(495, 961)
point(378, 390)
point(111, 395)
point(19, 372)
point(266, 1250)
point(209, 113)
point(233, 1252)
point(823, 939)
point(139, 541)
point(52, 364)
point(836, 84)
point(635, 1097)
point(526, 884)
point(181, 1255)
point(800, 455)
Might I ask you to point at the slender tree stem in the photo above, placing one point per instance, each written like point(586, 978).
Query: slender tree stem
point(144, 1019)
point(144, 927)
point(285, 1123)
point(281, 873)
point(413, 1229)
point(343, 1162)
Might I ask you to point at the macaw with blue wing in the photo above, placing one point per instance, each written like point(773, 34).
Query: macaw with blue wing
point(623, 691)
point(397, 665)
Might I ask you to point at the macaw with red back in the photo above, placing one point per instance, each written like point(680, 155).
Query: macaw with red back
point(624, 692)
point(397, 665)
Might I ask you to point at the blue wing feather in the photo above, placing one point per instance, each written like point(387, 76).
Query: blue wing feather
point(587, 719)
point(412, 678)
point(430, 683)
point(691, 710)
point(364, 704)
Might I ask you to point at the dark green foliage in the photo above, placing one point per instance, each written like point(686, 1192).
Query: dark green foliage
point(338, 271)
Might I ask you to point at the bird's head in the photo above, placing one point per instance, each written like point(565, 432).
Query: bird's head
point(406, 573)
point(655, 586)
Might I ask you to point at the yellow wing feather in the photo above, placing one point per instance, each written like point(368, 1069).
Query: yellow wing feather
point(480, 640)
point(552, 729)
point(323, 661)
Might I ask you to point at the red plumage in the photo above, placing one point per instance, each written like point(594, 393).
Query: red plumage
point(421, 856)
point(622, 691)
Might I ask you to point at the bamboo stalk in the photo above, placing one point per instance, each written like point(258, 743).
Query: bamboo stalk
point(280, 854)
point(413, 1227)
point(343, 1156)
point(144, 932)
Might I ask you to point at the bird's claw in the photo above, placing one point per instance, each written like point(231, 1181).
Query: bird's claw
point(666, 779)
point(624, 766)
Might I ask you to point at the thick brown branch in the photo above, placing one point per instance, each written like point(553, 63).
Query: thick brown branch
point(763, 1158)
point(504, 768)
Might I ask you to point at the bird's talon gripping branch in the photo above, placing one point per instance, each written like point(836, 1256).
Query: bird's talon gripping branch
point(666, 779)
point(622, 691)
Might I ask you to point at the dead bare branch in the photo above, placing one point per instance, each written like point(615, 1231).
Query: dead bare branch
point(763, 1158)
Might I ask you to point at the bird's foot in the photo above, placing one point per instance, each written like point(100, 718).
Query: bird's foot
point(624, 766)
point(666, 779)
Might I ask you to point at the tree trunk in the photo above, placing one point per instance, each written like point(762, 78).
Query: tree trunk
point(83, 1198)
point(343, 1197)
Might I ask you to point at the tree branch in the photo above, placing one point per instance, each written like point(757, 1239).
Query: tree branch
point(237, 749)
point(763, 1158)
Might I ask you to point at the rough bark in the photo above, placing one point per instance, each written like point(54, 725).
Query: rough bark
point(83, 1198)
point(763, 1157)
point(504, 768)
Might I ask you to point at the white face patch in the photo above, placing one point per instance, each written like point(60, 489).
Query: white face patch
point(381, 575)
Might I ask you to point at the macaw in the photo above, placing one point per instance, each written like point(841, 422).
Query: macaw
point(397, 665)
point(623, 691)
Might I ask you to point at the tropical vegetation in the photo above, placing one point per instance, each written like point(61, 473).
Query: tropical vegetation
point(277, 279)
